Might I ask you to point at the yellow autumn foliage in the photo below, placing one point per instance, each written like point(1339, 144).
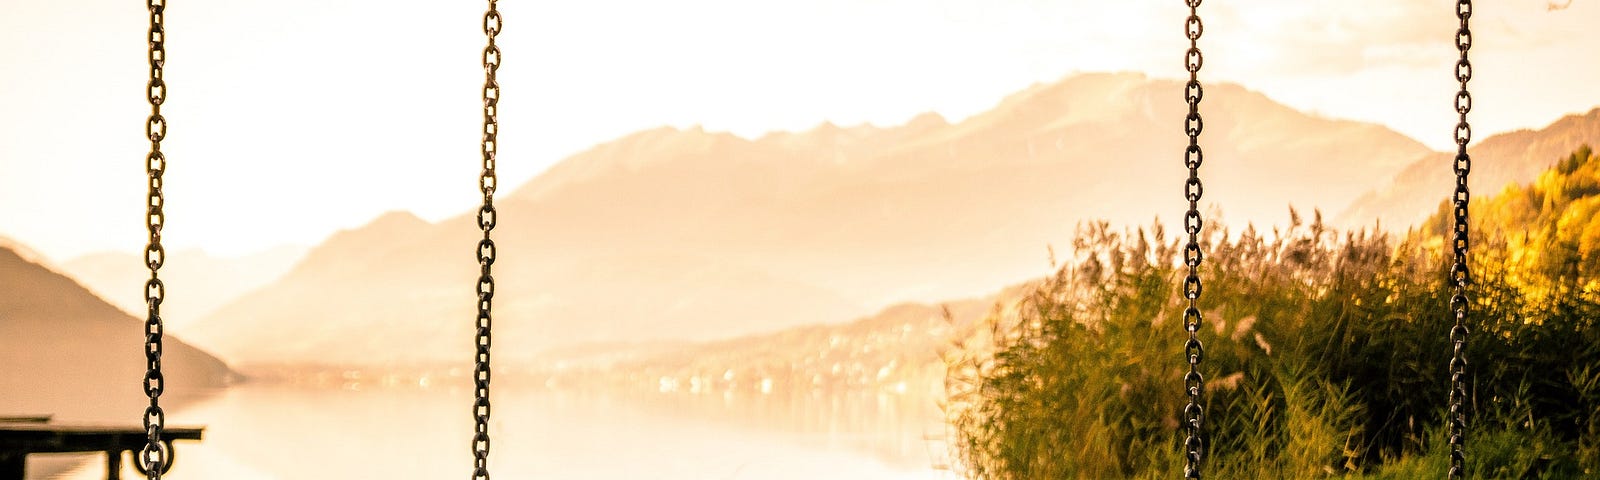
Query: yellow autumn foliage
point(1548, 230)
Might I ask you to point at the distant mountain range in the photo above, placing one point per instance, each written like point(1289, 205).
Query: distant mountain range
point(672, 258)
point(202, 282)
point(1553, 223)
point(675, 234)
point(1498, 162)
point(71, 354)
point(899, 348)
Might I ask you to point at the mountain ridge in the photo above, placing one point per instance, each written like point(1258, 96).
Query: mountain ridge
point(78, 357)
point(1501, 160)
point(801, 228)
point(204, 282)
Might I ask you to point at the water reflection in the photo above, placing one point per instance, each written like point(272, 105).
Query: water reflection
point(275, 430)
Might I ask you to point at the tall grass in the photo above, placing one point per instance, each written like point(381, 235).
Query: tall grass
point(1325, 356)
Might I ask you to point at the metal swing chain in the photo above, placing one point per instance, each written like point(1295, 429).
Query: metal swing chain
point(486, 250)
point(1459, 276)
point(153, 458)
point(1193, 382)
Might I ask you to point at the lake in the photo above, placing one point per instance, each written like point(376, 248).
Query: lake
point(268, 431)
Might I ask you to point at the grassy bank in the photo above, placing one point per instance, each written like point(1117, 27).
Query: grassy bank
point(1325, 353)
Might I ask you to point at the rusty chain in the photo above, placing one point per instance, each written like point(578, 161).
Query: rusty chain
point(154, 459)
point(486, 249)
point(1194, 351)
point(1459, 277)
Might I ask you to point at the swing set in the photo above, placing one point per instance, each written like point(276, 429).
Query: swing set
point(155, 457)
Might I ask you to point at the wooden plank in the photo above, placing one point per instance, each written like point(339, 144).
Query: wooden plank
point(17, 440)
point(25, 438)
point(114, 465)
point(13, 467)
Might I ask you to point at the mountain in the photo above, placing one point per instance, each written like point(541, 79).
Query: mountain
point(685, 234)
point(902, 349)
point(22, 251)
point(201, 282)
point(382, 301)
point(71, 354)
point(937, 210)
point(1550, 228)
point(899, 345)
point(1498, 162)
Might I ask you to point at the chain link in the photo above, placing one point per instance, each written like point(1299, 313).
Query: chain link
point(1194, 351)
point(153, 459)
point(1459, 276)
point(486, 251)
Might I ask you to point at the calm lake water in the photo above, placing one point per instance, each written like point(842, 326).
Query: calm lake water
point(263, 431)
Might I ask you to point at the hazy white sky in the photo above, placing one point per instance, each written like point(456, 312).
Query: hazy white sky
point(294, 118)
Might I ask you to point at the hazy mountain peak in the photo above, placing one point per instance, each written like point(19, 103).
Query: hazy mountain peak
point(690, 234)
point(200, 281)
point(22, 251)
point(824, 134)
point(382, 230)
point(1510, 158)
point(827, 127)
point(33, 289)
point(74, 354)
point(395, 220)
point(1068, 93)
point(365, 243)
point(695, 139)
point(926, 120)
point(1085, 98)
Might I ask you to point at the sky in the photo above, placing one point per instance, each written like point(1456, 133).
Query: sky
point(291, 119)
